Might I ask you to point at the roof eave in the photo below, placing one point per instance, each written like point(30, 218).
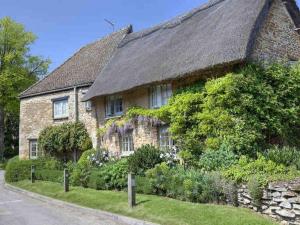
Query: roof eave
point(54, 91)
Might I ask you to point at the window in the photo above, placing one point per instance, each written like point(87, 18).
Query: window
point(114, 106)
point(33, 150)
point(60, 108)
point(127, 144)
point(159, 95)
point(165, 140)
point(88, 106)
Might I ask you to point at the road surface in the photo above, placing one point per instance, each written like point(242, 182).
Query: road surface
point(18, 209)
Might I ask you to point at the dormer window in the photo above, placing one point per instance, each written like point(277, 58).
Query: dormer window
point(159, 95)
point(114, 106)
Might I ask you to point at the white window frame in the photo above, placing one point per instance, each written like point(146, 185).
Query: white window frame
point(164, 138)
point(61, 108)
point(126, 144)
point(33, 145)
point(159, 95)
point(114, 106)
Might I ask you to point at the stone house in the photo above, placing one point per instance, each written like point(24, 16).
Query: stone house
point(127, 69)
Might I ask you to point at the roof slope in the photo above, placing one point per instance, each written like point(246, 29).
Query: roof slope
point(293, 9)
point(219, 32)
point(80, 69)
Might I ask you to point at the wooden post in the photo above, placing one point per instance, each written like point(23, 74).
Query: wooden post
point(66, 180)
point(32, 173)
point(131, 190)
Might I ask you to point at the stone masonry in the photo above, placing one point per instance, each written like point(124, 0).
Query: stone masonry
point(36, 113)
point(281, 201)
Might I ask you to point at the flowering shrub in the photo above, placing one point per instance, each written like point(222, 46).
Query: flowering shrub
point(170, 156)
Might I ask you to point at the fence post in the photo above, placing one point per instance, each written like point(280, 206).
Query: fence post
point(32, 173)
point(66, 180)
point(131, 190)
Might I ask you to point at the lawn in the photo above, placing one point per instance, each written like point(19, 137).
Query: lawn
point(151, 208)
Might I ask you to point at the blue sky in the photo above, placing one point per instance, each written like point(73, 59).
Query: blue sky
point(63, 26)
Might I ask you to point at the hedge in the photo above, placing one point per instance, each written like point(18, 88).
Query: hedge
point(17, 170)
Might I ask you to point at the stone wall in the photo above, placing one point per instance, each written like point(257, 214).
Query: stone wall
point(142, 134)
point(277, 39)
point(281, 201)
point(36, 113)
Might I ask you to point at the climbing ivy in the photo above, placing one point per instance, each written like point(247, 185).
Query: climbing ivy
point(246, 111)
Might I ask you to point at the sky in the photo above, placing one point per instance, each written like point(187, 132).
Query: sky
point(64, 26)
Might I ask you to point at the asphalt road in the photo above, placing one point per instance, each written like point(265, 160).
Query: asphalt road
point(17, 209)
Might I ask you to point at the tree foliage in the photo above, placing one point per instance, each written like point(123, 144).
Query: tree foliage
point(18, 70)
point(63, 140)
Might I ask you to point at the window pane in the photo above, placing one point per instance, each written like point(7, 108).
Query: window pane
point(61, 109)
point(127, 143)
point(33, 149)
point(165, 140)
point(114, 105)
point(159, 95)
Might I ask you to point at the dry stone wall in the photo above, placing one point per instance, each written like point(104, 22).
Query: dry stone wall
point(281, 201)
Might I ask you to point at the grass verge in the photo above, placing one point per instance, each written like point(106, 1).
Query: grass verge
point(151, 208)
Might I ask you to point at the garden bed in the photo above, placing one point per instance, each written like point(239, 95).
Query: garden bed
point(151, 208)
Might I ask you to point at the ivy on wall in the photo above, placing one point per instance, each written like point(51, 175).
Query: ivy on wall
point(247, 111)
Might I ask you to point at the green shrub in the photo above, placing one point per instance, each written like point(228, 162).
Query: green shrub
point(215, 160)
point(17, 170)
point(64, 140)
point(50, 175)
point(212, 188)
point(287, 156)
point(145, 157)
point(112, 176)
point(143, 185)
point(3, 165)
point(230, 190)
point(265, 170)
point(255, 191)
point(188, 185)
point(79, 175)
point(97, 180)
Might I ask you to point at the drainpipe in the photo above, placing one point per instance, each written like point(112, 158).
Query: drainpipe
point(75, 104)
point(75, 118)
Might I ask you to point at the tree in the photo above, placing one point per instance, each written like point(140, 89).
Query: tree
point(65, 141)
point(18, 69)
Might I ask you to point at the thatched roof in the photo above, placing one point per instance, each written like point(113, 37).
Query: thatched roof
point(82, 68)
point(217, 33)
point(293, 10)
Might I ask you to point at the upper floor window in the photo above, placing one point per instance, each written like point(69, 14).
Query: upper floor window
point(114, 105)
point(60, 108)
point(165, 140)
point(159, 95)
point(88, 106)
point(33, 149)
point(126, 143)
